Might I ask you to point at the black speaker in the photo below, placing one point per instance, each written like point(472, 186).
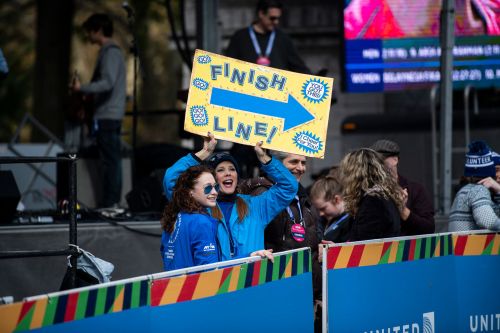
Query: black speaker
point(147, 196)
point(9, 196)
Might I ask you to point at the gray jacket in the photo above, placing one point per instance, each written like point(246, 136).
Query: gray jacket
point(473, 208)
point(108, 84)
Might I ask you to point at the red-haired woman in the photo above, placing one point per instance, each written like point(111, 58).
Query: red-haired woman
point(189, 232)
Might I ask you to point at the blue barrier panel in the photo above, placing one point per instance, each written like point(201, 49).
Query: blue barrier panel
point(246, 295)
point(434, 283)
point(478, 284)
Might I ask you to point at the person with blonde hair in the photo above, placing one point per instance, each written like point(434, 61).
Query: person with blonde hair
point(417, 217)
point(371, 195)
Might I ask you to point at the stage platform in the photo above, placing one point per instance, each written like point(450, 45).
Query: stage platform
point(132, 246)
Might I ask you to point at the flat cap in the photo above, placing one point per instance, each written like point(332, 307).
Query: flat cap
point(386, 147)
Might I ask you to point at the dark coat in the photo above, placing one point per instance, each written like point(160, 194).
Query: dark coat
point(421, 219)
point(376, 218)
point(338, 230)
point(278, 236)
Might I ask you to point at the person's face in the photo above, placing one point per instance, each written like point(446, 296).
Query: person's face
point(270, 20)
point(329, 209)
point(497, 175)
point(391, 163)
point(205, 183)
point(296, 164)
point(94, 36)
point(227, 177)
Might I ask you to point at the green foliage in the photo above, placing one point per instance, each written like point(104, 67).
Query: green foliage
point(17, 40)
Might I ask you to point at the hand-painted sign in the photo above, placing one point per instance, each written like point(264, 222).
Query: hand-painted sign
point(246, 103)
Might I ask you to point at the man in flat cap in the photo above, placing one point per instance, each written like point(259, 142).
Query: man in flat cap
point(418, 216)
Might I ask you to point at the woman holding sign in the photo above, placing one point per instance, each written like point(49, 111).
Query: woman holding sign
point(242, 218)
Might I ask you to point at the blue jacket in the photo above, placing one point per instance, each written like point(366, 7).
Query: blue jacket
point(193, 242)
point(249, 233)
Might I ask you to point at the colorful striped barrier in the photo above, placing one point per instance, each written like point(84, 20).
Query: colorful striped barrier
point(170, 299)
point(431, 283)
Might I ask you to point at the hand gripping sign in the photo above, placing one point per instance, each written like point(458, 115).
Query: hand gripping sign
point(246, 103)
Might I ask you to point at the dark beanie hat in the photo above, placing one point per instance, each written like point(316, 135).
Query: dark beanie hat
point(496, 158)
point(387, 148)
point(478, 161)
point(218, 158)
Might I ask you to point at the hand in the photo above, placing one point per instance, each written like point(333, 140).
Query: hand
point(261, 154)
point(75, 82)
point(491, 184)
point(404, 195)
point(321, 247)
point(209, 144)
point(76, 85)
point(263, 254)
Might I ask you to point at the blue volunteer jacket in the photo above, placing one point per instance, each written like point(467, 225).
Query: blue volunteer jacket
point(193, 242)
point(248, 234)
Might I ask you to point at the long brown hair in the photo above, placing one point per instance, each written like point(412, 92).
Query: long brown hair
point(363, 172)
point(241, 209)
point(181, 196)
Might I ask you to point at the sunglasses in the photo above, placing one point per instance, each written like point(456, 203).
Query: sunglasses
point(207, 189)
point(274, 18)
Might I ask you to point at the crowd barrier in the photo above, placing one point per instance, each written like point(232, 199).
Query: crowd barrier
point(245, 295)
point(433, 283)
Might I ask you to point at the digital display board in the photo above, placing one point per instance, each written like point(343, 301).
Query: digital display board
point(394, 44)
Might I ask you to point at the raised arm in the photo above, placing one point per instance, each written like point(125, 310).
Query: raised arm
point(279, 196)
point(185, 162)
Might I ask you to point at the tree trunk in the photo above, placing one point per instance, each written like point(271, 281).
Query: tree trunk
point(53, 50)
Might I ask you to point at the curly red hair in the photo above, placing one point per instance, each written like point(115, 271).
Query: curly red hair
point(181, 197)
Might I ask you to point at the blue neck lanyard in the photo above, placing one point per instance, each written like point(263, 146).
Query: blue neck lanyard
point(336, 224)
point(290, 213)
point(256, 45)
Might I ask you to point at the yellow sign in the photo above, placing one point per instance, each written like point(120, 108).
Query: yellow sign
point(246, 103)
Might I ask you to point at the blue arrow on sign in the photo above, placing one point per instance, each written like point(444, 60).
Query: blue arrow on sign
point(291, 111)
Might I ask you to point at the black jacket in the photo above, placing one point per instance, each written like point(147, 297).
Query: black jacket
point(421, 219)
point(376, 218)
point(277, 235)
point(283, 54)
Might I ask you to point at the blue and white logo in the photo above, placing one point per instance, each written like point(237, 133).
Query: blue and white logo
point(204, 59)
point(200, 84)
point(315, 90)
point(308, 142)
point(199, 115)
point(427, 326)
point(428, 322)
point(209, 248)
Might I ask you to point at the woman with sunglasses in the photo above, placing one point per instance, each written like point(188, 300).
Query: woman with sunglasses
point(242, 218)
point(189, 232)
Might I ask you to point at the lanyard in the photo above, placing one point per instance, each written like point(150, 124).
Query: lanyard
point(335, 225)
point(232, 248)
point(256, 45)
point(176, 230)
point(290, 213)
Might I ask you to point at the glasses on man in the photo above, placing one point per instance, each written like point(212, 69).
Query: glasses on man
point(207, 189)
point(274, 18)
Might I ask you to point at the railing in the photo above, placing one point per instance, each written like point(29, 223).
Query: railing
point(72, 248)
